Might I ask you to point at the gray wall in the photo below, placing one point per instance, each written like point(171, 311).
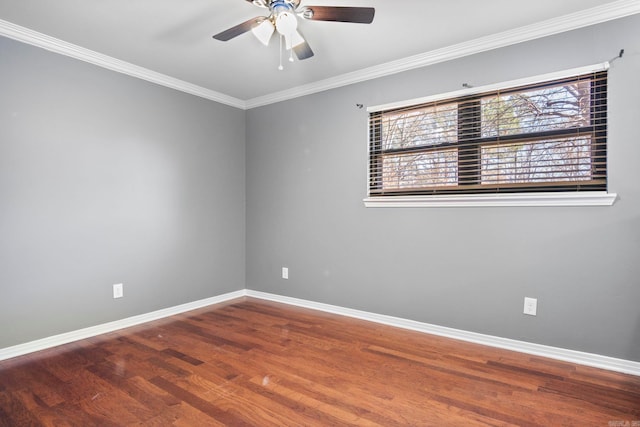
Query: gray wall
point(107, 179)
point(466, 268)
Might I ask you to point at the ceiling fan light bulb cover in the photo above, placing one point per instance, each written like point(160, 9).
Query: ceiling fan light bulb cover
point(292, 40)
point(263, 32)
point(296, 39)
point(286, 23)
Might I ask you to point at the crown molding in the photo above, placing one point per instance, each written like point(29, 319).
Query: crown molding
point(585, 18)
point(26, 35)
point(596, 15)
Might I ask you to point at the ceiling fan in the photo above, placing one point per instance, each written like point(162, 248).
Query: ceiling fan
point(283, 20)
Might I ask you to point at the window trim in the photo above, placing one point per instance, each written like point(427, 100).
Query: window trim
point(569, 198)
point(587, 198)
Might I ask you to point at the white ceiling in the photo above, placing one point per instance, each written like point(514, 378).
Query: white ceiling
point(170, 41)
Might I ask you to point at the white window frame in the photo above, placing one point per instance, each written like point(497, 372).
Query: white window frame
point(587, 198)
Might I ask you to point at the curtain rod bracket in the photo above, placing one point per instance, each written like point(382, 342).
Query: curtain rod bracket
point(617, 57)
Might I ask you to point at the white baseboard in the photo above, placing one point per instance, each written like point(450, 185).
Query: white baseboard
point(572, 356)
point(65, 338)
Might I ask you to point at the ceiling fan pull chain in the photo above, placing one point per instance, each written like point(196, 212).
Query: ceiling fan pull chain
point(280, 67)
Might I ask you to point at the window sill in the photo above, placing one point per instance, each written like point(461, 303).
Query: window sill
point(489, 200)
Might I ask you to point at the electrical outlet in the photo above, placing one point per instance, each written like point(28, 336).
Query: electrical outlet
point(118, 291)
point(530, 306)
point(285, 272)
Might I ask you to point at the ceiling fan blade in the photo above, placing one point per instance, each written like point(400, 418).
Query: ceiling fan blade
point(359, 15)
point(239, 29)
point(303, 51)
point(259, 3)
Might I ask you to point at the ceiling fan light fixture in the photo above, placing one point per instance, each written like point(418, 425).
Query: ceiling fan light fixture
point(286, 23)
point(264, 31)
point(296, 39)
point(283, 18)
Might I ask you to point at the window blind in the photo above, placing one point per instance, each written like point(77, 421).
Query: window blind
point(545, 134)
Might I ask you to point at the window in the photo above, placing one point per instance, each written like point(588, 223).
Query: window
point(548, 135)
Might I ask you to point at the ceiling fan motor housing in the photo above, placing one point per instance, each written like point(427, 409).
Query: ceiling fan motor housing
point(279, 6)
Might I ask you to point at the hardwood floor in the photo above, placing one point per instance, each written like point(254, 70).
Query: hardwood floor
point(250, 362)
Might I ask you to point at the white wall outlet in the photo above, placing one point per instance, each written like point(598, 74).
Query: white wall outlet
point(530, 306)
point(285, 272)
point(118, 291)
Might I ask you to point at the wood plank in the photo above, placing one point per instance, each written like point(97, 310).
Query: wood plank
point(254, 362)
point(197, 402)
point(15, 413)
